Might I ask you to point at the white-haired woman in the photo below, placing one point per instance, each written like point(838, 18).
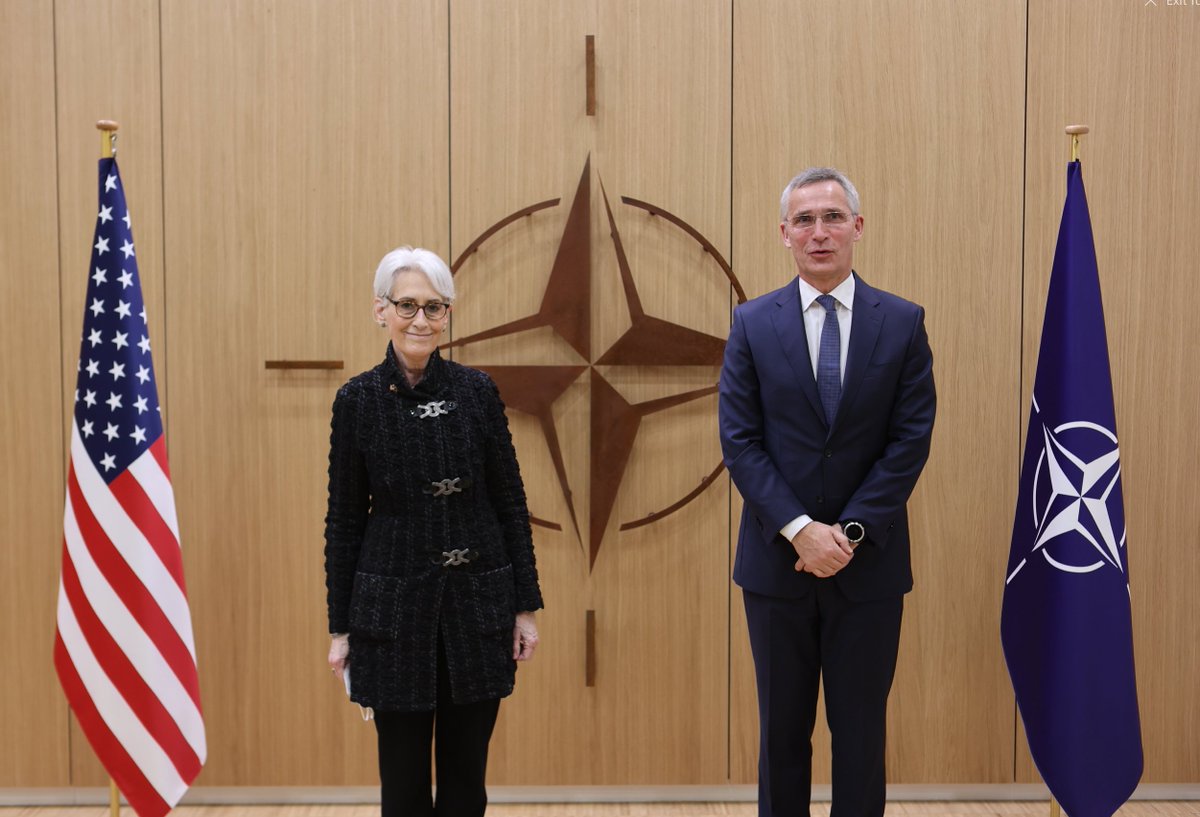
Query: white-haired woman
point(428, 556)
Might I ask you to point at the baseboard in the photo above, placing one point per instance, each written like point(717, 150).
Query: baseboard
point(302, 795)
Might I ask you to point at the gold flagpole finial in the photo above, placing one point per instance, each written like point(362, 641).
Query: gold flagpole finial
point(108, 138)
point(1076, 131)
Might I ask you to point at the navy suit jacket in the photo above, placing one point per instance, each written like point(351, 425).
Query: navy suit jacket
point(786, 460)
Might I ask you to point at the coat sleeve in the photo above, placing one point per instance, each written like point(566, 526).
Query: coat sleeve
point(741, 421)
point(506, 492)
point(349, 505)
point(882, 495)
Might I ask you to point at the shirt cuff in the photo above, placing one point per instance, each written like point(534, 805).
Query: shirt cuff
point(790, 530)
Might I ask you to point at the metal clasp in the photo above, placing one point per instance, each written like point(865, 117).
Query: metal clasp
point(434, 408)
point(446, 487)
point(455, 557)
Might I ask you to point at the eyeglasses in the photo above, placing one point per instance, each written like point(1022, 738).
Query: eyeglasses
point(830, 218)
point(407, 308)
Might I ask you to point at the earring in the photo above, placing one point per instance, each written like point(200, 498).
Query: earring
point(383, 324)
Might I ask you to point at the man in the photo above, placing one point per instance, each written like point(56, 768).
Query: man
point(826, 411)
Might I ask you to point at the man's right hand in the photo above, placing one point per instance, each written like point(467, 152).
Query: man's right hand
point(822, 549)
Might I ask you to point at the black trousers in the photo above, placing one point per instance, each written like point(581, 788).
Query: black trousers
point(458, 735)
point(852, 647)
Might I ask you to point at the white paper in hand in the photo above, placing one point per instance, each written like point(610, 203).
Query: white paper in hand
point(367, 712)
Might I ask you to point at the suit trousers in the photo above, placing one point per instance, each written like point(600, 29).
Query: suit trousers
point(850, 647)
point(459, 734)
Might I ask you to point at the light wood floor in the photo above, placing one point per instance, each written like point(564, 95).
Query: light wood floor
point(940, 809)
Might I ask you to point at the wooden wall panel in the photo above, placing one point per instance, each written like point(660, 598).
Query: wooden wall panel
point(107, 68)
point(304, 141)
point(936, 155)
point(519, 135)
point(666, 582)
point(658, 591)
point(31, 491)
point(1128, 71)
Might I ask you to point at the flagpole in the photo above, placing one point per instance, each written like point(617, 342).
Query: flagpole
point(108, 138)
point(1075, 131)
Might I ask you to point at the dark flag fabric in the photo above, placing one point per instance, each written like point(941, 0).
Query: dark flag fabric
point(1066, 624)
point(123, 649)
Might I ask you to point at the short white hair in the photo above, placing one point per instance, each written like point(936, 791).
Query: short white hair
point(819, 174)
point(419, 260)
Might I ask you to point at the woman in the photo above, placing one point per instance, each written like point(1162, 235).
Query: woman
point(428, 555)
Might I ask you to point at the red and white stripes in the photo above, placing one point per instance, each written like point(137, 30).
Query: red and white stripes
point(124, 652)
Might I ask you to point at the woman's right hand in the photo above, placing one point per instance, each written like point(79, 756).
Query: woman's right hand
point(339, 648)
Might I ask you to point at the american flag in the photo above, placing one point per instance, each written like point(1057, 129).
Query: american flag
point(124, 649)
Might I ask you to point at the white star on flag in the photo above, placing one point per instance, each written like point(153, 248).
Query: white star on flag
point(114, 401)
point(111, 432)
point(93, 368)
point(127, 248)
point(140, 404)
point(125, 278)
point(110, 183)
point(102, 246)
point(123, 309)
point(109, 462)
point(117, 371)
point(97, 307)
point(100, 276)
point(105, 215)
point(121, 340)
point(94, 338)
point(143, 374)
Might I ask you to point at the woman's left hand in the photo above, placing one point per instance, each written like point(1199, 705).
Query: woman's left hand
point(525, 637)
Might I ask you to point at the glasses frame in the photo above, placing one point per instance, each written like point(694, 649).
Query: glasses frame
point(820, 218)
point(420, 308)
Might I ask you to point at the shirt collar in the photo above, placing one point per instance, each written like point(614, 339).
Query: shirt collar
point(843, 293)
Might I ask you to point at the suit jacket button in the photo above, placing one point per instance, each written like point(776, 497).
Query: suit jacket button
point(820, 500)
point(828, 453)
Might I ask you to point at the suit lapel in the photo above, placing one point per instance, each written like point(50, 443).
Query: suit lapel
point(789, 326)
point(864, 332)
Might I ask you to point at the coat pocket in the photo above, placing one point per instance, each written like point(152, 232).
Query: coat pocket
point(382, 606)
point(494, 597)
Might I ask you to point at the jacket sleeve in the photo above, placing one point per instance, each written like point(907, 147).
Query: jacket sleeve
point(506, 492)
point(882, 495)
point(740, 414)
point(349, 505)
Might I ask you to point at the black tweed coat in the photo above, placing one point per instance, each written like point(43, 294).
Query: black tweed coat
point(427, 535)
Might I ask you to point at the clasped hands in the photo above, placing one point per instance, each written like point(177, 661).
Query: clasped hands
point(822, 549)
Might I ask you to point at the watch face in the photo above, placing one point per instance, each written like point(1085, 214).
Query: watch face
point(854, 531)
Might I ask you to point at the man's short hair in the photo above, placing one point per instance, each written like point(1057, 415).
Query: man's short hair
point(814, 175)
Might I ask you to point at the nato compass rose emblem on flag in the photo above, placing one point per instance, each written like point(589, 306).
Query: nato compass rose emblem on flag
point(566, 309)
point(1077, 509)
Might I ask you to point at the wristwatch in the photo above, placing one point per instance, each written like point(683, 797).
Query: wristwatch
point(854, 531)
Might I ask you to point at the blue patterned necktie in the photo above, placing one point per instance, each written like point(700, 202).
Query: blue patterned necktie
point(829, 360)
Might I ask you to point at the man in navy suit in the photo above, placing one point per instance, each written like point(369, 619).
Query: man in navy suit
point(826, 412)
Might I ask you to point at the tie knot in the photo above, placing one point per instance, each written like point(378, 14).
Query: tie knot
point(828, 302)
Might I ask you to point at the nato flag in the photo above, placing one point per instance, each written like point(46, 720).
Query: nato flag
point(1066, 625)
